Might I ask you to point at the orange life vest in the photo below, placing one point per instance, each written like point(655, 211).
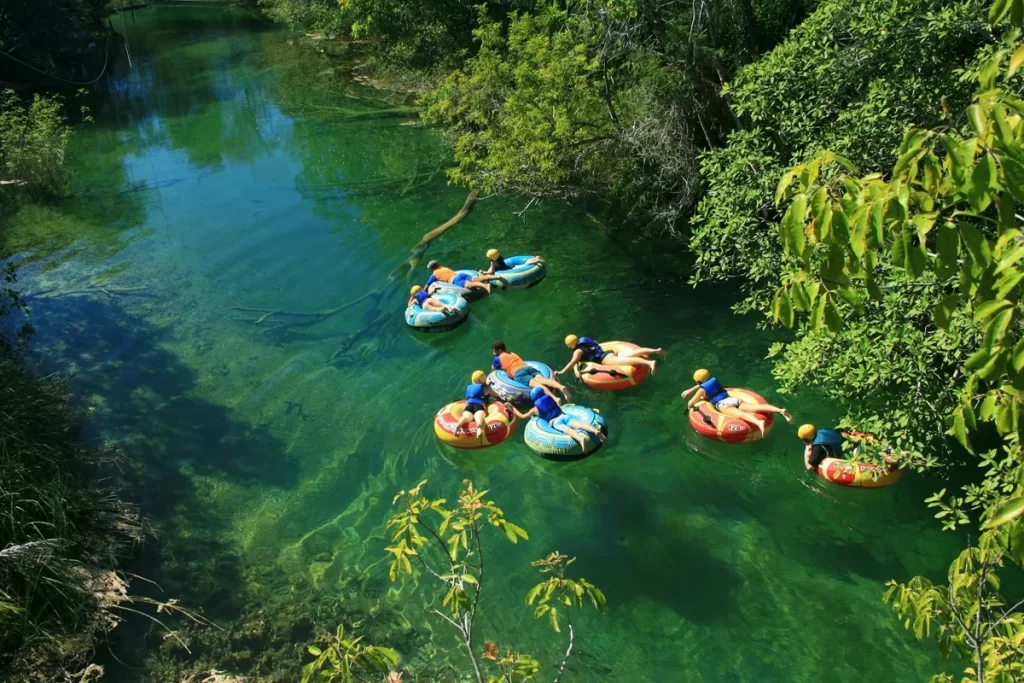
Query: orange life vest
point(444, 274)
point(510, 363)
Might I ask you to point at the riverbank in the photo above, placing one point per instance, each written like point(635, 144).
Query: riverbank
point(227, 169)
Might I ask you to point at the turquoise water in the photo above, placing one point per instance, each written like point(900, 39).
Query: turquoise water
point(231, 166)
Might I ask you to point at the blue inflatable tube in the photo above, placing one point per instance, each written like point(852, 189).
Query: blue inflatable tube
point(465, 292)
point(521, 275)
point(547, 441)
point(509, 389)
point(437, 321)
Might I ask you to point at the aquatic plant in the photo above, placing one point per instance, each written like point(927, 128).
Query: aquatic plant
point(446, 544)
point(33, 139)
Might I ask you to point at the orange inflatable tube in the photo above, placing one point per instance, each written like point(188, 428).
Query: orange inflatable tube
point(707, 421)
point(500, 425)
point(630, 376)
point(863, 475)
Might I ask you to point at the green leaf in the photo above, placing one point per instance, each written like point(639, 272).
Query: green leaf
point(1018, 356)
point(877, 232)
point(989, 308)
point(983, 184)
point(1008, 282)
point(541, 610)
point(1015, 61)
point(944, 310)
point(996, 328)
point(959, 430)
point(1014, 177)
point(840, 227)
point(787, 179)
point(1006, 512)
point(858, 237)
point(997, 11)
point(976, 118)
point(793, 226)
point(518, 531)
point(833, 320)
point(851, 297)
point(948, 246)
point(554, 620)
point(976, 244)
point(785, 313)
point(314, 650)
point(534, 592)
point(818, 313)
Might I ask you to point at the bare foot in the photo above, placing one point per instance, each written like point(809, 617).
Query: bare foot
point(789, 418)
point(600, 437)
point(760, 427)
point(653, 366)
point(660, 352)
point(582, 442)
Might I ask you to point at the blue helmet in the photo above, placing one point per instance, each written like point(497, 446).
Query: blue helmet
point(536, 393)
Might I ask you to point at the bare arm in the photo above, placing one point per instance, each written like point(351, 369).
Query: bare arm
point(689, 391)
point(522, 416)
point(808, 450)
point(697, 398)
point(573, 362)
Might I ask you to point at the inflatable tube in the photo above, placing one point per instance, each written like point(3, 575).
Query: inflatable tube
point(521, 275)
point(501, 422)
point(510, 390)
point(436, 321)
point(550, 443)
point(465, 292)
point(707, 421)
point(630, 376)
point(862, 475)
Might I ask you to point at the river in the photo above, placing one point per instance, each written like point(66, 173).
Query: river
point(230, 167)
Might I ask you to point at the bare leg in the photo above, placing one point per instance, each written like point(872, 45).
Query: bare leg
point(481, 421)
point(464, 420)
point(642, 351)
point(616, 359)
point(732, 411)
point(766, 408)
point(571, 433)
point(548, 385)
point(598, 435)
point(473, 284)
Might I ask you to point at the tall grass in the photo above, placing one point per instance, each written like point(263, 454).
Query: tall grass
point(60, 531)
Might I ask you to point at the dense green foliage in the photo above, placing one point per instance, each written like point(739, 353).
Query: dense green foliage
point(934, 245)
point(33, 139)
point(445, 543)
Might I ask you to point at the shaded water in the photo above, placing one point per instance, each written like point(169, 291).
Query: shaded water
point(222, 171)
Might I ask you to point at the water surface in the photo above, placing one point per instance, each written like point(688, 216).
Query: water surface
point(230, 167)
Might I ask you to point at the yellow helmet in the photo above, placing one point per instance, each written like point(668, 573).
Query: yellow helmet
point(807, 432)
point(571, 341)
point(493, 254)
point(416, 289)
point(701, 375)
point(478, 377)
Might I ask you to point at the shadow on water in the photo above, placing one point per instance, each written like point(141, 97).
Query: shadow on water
point(665, 562)
point(141, 398)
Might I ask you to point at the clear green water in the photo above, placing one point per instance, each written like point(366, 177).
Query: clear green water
point(222, 173)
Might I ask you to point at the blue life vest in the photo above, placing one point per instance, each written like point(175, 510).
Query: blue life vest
point(592, 351)
point(431, 280)
point(547, 408)
point(475, 393)
point(828, 437)
point(714, 391)
point(827, 444)
point(421, 297)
